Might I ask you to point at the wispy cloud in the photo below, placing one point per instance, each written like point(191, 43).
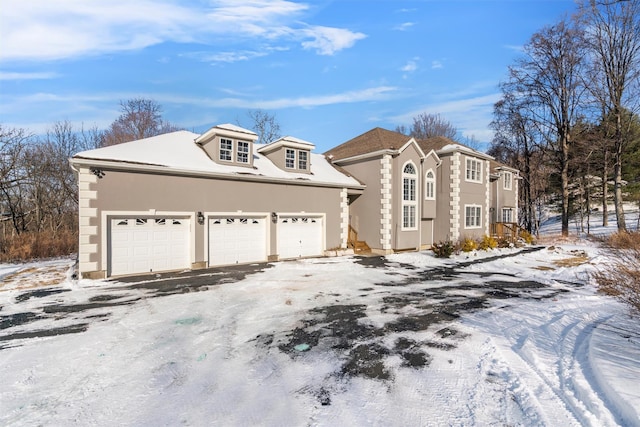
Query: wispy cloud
point(436, 65)
point(404, 26)
point(72, 28)
point(27, 76)
point(329, 40)
point(515, 48)
point(410, 67)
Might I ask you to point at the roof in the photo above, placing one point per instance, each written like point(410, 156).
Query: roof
point(376, 139)
point(177, 152)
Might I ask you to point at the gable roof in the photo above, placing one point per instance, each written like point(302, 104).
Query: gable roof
point(377, 139)
point(443, 145)
point(178, 153)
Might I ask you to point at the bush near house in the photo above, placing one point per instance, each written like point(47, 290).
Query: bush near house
point(468, 245)
point(487, 243)
point(443, 249)
point(32, 245)
point(621, 278)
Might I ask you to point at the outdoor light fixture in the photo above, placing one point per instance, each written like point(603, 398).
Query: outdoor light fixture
point(97, 172)
point(200, 218)
point(274, 217)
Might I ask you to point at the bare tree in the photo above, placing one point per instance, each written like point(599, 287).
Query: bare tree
point(13, 143)
point(428, 125)
point(612, 32)
point(264, 124)
point(140, 118)
point(549, 79)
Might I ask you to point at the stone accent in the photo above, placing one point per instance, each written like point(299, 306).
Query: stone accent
point(385, 202)
point(344, 218)
point(516, 190)
point(454, 203)
point(88, 232)
point(487, 196)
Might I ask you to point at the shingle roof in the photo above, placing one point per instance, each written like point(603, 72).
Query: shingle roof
point(376, 139)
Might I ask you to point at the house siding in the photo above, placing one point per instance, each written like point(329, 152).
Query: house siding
point(147, 192)
point(473, 193)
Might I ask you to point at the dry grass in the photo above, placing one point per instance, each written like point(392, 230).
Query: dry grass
point(621, 278)
point(29, 246)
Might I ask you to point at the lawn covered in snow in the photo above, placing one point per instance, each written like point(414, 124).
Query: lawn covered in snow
point(523, 338)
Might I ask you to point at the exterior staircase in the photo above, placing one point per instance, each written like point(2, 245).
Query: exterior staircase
point(358, 246)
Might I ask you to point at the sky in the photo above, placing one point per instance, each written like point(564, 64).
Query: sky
point(327, 70)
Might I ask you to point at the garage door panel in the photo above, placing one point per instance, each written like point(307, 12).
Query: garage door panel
point(235, 240)
point(300, 236)
point(141, 245)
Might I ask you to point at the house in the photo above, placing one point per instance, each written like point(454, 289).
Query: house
point(423, 191)
point(186, 201)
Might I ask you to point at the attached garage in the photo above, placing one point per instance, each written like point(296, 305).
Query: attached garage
point(237, 239)
point(148, 244)
point(300, 236)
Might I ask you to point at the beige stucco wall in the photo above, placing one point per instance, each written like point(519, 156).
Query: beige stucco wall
point(474, 193)
point(429, 206)
point(442, 221)
point(127, 191)
point(364, 210)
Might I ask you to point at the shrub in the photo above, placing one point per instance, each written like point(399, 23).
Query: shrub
point(28, 246)
point(468, 245)
point(527, 237)
point(621, 277)
point(487, 243)
point(443, 249)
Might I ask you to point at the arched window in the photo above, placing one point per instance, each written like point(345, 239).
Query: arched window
point(430, 185)
point(409, 205)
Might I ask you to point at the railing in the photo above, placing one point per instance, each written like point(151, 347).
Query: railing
point(506, 230)
point(358, 246)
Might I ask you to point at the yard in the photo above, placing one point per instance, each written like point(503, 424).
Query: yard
point(509, 337)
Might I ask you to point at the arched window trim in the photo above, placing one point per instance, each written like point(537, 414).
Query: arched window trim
point(430, 185)
point(409, 196)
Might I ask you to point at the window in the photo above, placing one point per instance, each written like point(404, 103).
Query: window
point(302, 160)
point(242, 154)
point(508, 180)
point(507, 215)
point(290, 158)
point(409, 206)
point(430, 185)
point(474, 170)
point(472, 216)
point(226, 148)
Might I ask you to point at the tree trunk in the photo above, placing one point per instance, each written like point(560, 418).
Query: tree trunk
point(565, 186)
point(617, 195)
point(605, 189)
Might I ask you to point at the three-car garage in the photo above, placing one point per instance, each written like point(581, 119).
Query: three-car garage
point(144, 244)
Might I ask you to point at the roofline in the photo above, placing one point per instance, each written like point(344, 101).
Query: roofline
point(364, 156)
point(272, 146)
point(165, 170)
point(414, 142)
point(212, 132)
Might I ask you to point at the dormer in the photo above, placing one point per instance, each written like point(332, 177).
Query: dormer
point(228, 144)
point(289, 154)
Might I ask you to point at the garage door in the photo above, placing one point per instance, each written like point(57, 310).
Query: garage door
point(237, 240)
point(300, 236)
point(142, 245)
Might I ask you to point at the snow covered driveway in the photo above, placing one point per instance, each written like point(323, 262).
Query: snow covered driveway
point(522, 339)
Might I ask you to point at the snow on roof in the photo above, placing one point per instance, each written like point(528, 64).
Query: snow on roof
point(229, 126)
point(177, 150)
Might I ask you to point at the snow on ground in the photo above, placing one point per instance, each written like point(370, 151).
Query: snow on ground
point(506, 337)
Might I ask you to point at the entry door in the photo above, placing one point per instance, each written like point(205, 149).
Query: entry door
point(300, 236)
point(143, 245)
point(237, 240)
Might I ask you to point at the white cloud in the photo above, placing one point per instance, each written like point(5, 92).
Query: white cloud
point(71, 28)
point(410, 66)
point(27, 76)
point(404, 26)
point(436, 65)
point(329, 40)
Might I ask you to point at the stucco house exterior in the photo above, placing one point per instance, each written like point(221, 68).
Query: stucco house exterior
point(186, 201)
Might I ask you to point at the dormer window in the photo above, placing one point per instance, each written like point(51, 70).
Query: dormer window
point(226, 149)
point(242, 153)
point(290, 158)
point(302, 160)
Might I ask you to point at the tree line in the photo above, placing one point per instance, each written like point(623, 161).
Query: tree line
point(568, 114)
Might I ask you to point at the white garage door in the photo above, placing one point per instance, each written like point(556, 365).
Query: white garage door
point(143, 245)
point(237, 240)
point(300, 236)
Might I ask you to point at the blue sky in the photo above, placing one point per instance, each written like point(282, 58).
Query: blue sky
point(328, 70)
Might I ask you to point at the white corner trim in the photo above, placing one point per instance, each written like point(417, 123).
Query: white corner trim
point(454, 225)
point(385, 201)
point(344, 218)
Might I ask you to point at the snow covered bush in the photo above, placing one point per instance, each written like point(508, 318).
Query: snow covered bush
point(443, 249)
point(621, 277)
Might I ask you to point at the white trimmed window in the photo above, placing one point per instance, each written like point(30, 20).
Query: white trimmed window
point(430, 185)
point(508, 180)
point(302, 160)
point(474, 170)
point(409, 205)
point(226, 149)
point(507, 215)
point(472, 216)
point(290, 158)
point(242, 152)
